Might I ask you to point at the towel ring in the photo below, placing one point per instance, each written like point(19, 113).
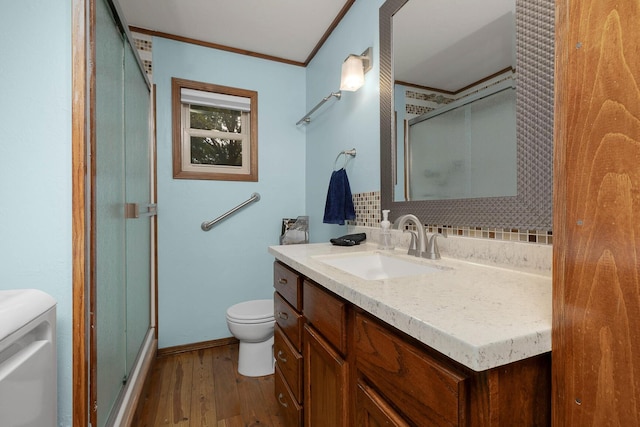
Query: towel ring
point(347, 155)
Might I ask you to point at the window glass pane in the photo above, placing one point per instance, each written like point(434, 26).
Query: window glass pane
point(216, 151)
point(213, 118)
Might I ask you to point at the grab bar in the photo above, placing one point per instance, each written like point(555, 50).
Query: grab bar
point(206, 226)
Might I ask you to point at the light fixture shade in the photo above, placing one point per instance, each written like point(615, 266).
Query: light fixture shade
point(352, 73)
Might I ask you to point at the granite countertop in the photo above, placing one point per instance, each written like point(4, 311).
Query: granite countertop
point(482, 316)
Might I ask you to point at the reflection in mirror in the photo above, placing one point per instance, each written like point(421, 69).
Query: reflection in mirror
point(464, 152)
point(455, 99)
point(448, 124)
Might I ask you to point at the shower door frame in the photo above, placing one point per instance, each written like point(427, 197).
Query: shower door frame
point(83, 193)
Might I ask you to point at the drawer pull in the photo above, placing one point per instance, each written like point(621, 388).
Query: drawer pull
point(283, 315)
point(282, 281)
point(280, 356)
point(280, 396)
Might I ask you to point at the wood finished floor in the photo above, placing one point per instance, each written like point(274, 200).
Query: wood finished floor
point(203, 388)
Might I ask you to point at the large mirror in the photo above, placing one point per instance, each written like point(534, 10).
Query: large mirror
point(467, 111)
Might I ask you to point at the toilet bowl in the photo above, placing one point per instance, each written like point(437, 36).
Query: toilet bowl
point(251, 322)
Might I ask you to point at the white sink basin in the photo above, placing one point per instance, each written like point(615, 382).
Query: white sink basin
point(375, 265)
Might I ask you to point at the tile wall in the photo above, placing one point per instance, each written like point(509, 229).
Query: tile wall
point(144, 45)
point(367, 207)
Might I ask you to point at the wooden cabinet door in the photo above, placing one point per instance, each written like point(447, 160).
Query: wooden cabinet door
point(596, 283)
point(373, 411)
point(325, 383)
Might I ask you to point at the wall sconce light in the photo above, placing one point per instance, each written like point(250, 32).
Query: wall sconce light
point(354, 69)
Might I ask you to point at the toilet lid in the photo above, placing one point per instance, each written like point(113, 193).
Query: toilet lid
point(252, 311)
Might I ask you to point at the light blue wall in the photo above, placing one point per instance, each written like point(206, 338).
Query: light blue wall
point(352, 122)
point(35, 163)
point(203, 273)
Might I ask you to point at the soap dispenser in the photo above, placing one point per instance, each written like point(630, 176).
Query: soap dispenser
point(386, 242)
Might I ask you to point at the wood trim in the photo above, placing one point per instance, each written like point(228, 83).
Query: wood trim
point(596, 298)
point(176, 123)
point(327, 33)
point(92, 334)
point(170, 351)
point(182, 39)
point(211, 45)
point(455, 92)
point(80, 410)
point(560, 198)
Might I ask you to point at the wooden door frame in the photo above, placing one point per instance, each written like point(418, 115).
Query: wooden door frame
point(79, 117)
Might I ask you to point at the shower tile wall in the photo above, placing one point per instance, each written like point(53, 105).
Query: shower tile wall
point(144, 45)
point(367, 207)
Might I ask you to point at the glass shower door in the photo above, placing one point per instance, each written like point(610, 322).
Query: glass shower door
point(138, 192)
point(109, 276)
point(121, 243)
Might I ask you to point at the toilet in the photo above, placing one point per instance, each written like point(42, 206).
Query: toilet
point(252, 322)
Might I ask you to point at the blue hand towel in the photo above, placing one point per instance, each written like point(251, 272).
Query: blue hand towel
point(339, 204)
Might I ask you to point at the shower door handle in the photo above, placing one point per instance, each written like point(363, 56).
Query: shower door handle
point(132, 210)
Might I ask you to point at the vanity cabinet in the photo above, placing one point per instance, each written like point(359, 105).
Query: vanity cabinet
point(422, 388)
point(358, 370)
point(373, 411)
point(287, 346)
point(325, 367)
point(402, 380)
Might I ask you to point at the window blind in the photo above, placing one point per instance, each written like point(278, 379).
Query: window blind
point(212, 99)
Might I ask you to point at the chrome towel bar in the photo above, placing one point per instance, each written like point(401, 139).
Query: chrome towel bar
point(307, 117)
point(206, 226)
point(347, 155)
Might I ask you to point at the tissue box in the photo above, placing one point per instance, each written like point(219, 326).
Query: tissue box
point(295, 231)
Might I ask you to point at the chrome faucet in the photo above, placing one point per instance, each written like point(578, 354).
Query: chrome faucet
point(417, 246)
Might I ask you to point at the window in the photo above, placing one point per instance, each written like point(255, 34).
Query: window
point(215, 131)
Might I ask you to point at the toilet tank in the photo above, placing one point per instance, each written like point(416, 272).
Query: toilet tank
point(27, 359)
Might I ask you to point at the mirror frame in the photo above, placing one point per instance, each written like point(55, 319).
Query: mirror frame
point(531, 208)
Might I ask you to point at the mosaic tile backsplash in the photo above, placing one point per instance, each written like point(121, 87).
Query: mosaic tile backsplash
point(144, 45)
point(367, 207)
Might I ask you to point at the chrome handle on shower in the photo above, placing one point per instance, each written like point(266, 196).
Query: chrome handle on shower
point(132, 210)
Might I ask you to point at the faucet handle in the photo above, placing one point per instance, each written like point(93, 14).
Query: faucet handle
point(432, 248)
point(412, 244)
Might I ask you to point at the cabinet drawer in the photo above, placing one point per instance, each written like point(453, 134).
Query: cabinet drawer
point(289, 320)
point(421, 387)
point(288, 283)
point(327, 313)
point(289, 361)
point(290, 409)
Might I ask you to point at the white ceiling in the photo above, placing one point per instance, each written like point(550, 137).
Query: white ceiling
point(441, 36)
point(286, 29)
point(449, 44)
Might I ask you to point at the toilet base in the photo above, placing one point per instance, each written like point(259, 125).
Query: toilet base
point(255, 359)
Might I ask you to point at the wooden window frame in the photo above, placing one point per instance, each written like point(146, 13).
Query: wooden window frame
point(217, 173)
